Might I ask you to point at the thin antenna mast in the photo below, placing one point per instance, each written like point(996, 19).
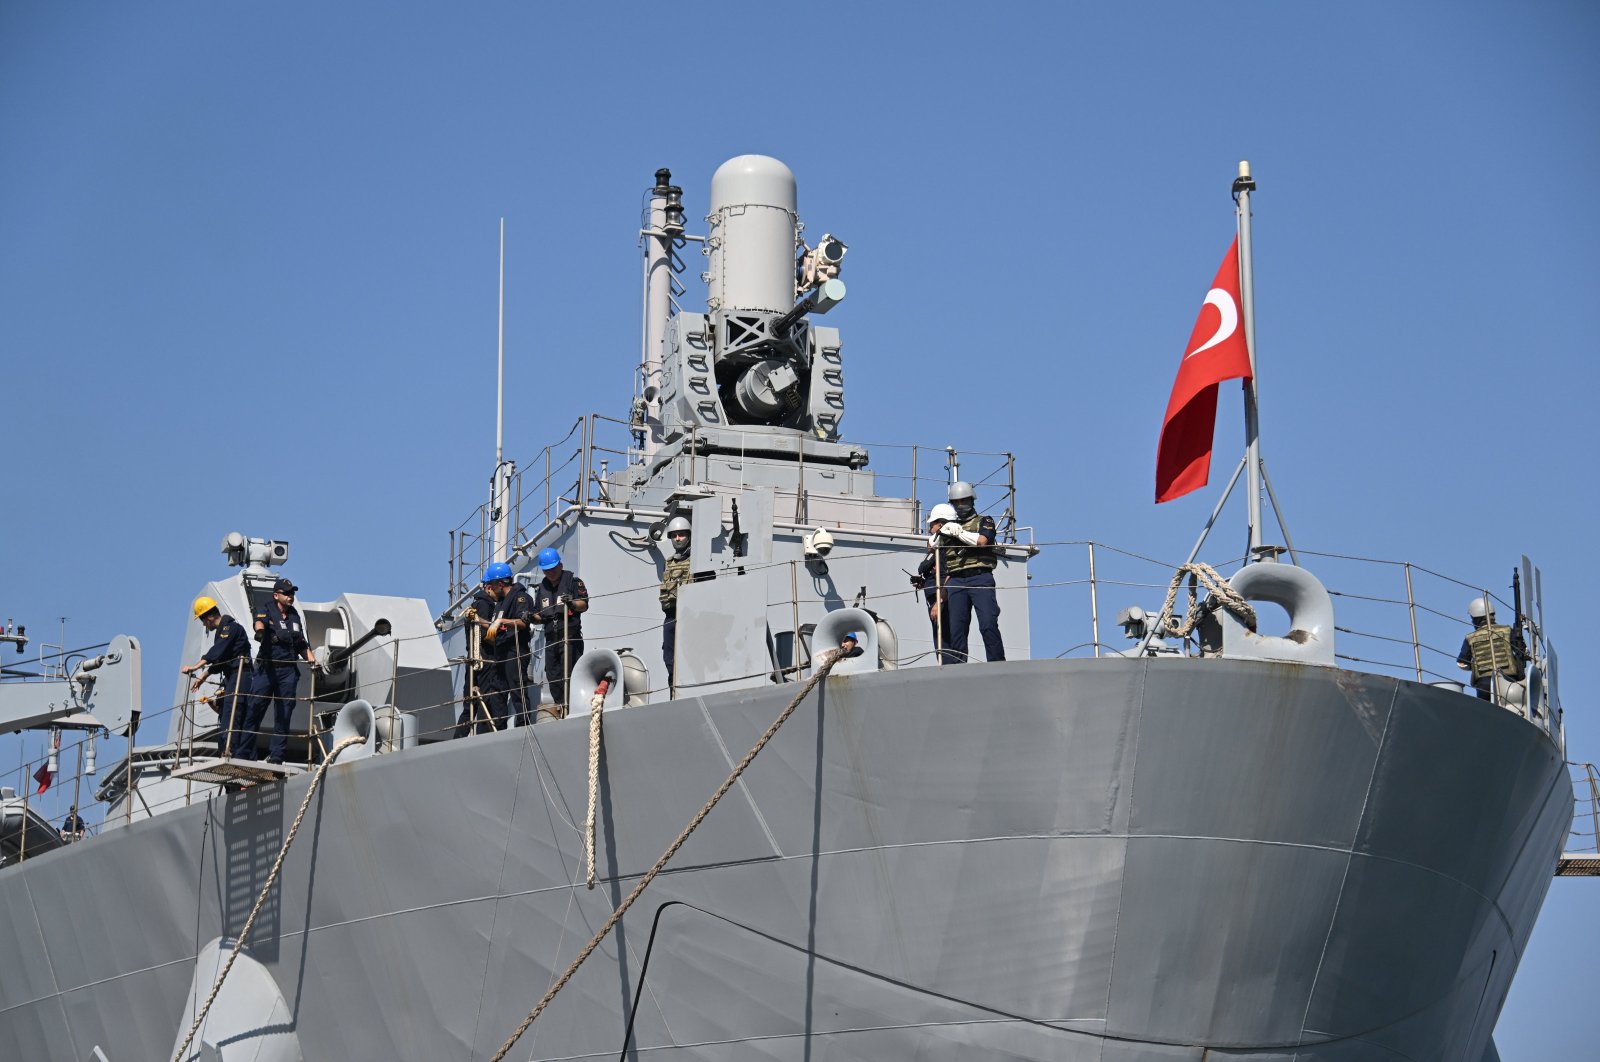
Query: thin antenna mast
point(498, 507)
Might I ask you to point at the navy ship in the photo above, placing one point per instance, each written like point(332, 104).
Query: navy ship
point(1206, 841)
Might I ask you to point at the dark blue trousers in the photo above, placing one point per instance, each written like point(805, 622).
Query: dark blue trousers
point(233, 711)
point(669, 642)
point(492, 691)
point(558, 661)
point(964, 595)
point(521, 696)
point(276, 682)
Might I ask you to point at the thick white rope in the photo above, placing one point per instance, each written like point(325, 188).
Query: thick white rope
point(672, 850)
point(1216, 585)
point(596, 706)
point(272, 876)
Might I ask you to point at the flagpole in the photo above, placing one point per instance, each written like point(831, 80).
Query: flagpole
point(1242, 187)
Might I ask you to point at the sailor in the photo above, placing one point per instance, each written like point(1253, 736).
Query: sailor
point(484, 707)
point(72, 827)
point(1491, 649)
point(282, 635)
point(931, 577)
point(850, 645)
point(673, 577)
point(970, 557)
point(510, 632)
point(228, 658)
point(559, 600)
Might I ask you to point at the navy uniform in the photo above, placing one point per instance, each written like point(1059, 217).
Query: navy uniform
point(229, 657)
point(514, 657)
point(930, 578)
point(563, 627)
point(282, 635)
point(675, 575)
point(970, 588)
point(489, 679)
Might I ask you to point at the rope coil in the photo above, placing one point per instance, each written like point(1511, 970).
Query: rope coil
point(660, 864)
point(1216, 585)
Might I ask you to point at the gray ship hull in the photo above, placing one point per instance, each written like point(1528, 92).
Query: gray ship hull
point(1116, 860)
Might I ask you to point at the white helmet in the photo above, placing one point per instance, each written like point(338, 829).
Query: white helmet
point(960, 490)
point(1480, 609)
point(677, 523)
point(942, 511)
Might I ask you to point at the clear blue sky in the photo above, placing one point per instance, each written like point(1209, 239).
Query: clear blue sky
point(247, 280)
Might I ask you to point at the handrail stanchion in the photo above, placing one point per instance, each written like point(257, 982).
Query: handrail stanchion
point(1094, 603)
point(1411, 605)
point(547, 485)
point(916, 495)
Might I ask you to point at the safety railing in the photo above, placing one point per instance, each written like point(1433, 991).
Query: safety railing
point(1585, 835)
point(584, 467)
point(1393, 618)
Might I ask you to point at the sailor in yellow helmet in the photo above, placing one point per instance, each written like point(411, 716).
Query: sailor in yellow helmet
point(229, 657)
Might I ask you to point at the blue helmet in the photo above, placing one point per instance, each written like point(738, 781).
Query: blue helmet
point(549, 558)
point(497, 571)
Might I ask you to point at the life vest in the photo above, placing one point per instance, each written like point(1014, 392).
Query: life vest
point(676, 574)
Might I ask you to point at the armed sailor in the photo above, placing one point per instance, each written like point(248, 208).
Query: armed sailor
point(1491, 649)
point(968, 541)
point(673, 577)
point(228, 658)
point(559, 599)
point(282, 635)
point(931, 577)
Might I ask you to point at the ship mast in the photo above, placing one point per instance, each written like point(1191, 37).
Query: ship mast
point(500, 484)
point(1243, 185)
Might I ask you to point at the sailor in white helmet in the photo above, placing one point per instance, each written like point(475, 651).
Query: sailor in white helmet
point(673, 576)
point(930, 579)
point(1491, 649)
point(970, 556)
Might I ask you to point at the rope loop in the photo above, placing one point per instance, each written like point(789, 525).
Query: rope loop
point(1218, 588)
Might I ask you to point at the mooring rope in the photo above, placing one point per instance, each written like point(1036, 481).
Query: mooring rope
point(596, 706)
point(672, 850)
point(1219, 588)
point(272, 876)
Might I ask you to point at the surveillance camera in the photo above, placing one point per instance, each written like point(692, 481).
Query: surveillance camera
point(818, 543)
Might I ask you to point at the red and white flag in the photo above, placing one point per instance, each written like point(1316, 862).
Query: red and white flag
point(43, 777)
point(1216, 352)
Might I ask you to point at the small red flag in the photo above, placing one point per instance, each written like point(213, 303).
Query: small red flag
point(43, 776)
point(1216, 352)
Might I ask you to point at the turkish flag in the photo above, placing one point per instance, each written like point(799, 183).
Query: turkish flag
point(1216, 352)
point(43, 777)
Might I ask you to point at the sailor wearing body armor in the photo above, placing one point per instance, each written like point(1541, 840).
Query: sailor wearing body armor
point(673, 576)
point(1491, 649)
point(970, 559)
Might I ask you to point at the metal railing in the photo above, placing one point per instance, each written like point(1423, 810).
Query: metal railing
point(581, 469)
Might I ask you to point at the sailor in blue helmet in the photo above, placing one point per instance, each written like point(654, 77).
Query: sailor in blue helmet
point(559, 600)
point(282, 636)
point(484, 705)
point(510, 634)
point(970, 559)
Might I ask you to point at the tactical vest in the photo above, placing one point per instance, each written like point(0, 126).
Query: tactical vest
point(970, 560)
point(677, 573)
point(1492, 652)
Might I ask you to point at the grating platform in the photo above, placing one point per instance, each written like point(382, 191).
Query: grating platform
point(1578, 865)
point(219, 771)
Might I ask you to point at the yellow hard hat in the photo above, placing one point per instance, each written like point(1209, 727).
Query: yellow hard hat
point(203, 604)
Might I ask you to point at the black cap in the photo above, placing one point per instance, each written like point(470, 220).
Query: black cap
point(284, 586)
